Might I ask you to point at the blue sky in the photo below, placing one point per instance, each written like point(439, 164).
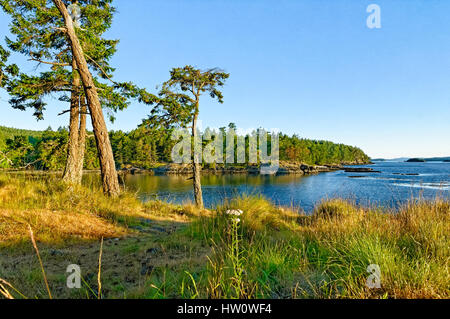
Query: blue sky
point(306, 67)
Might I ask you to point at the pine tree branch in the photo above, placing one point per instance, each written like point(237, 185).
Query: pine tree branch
point(101, 69)
point(67, 111)
point(30, 164)
point(51, 63)
point(63, 30)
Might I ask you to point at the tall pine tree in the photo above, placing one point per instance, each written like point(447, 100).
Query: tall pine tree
point(180, 103)
point(42, 34)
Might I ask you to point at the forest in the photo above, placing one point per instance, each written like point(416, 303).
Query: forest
point(145, 148)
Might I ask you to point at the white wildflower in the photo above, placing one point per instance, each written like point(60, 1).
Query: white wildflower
point(235, 212)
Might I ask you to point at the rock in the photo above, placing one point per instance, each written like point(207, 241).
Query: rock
point(289, 168)
point(267, 169)
point(308, 169)
point(334, 167)
point(285, 168)
point(173, 169)
point(252, 169)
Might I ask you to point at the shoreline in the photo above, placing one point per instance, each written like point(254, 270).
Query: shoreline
point(285, 168)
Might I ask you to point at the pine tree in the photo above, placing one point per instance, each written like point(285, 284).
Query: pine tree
point(42, 35)
point(180, 103)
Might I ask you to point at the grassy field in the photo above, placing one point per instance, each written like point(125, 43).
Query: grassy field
point(158, 250)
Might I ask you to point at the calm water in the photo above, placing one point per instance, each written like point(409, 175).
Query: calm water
point(387, 189)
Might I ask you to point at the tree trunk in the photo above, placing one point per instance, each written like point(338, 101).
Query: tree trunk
point(107, 166)
point(81, 139)
point(196, 167)
point(71, 169)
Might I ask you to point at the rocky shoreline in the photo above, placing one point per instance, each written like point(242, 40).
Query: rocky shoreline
point(285, 168)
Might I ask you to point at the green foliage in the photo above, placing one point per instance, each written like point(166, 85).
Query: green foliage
point(145, 147)
point(295, 149)
point(17, 151)
point(16, 146)
point(6, 71)
point(142, 147)
point(50, 152)
point(38, 31)
point(179, 98)
point(9, 133)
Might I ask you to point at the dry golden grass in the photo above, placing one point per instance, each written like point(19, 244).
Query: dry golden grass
point(261, 214)
point(53, 227)
point(163, 211)
point(59, 213)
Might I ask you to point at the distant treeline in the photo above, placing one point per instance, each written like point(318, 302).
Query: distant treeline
point(145, 148)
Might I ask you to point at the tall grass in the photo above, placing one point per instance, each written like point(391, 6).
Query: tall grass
point(326, 255)
point(59, 213)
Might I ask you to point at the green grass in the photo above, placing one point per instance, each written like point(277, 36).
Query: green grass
point(168, 251)
point(326, 255)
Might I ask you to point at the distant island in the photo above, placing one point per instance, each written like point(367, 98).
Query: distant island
point(416, 160)
point(413, 160)
point(400, 159)
point(438, 159)
point(432, 159)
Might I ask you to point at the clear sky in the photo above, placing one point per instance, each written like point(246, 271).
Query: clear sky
point(307, 67)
